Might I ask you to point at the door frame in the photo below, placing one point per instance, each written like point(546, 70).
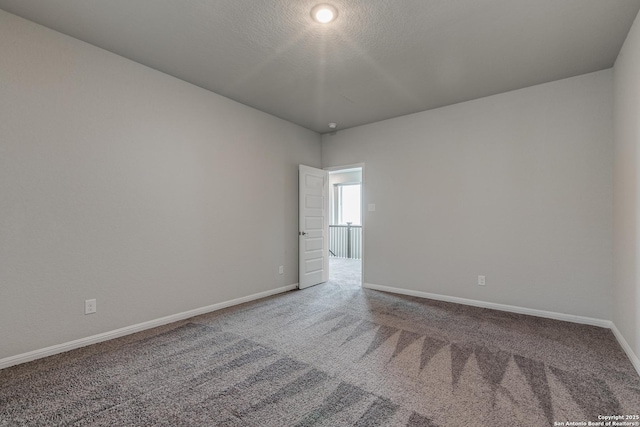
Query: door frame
point(362, 210)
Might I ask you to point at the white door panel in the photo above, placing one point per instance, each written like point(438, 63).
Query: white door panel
point(313, 227)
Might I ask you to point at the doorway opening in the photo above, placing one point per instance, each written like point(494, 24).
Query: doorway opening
point(346, 225)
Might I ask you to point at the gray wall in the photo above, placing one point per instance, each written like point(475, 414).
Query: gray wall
point(120, 183)
point(626, 314)
point(516, 187)
point(339, 178)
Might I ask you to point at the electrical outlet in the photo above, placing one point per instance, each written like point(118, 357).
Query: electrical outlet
point(481, 281)
point(281, 269)
point(90, 306)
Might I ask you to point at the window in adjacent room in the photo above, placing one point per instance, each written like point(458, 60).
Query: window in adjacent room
point(347, 204)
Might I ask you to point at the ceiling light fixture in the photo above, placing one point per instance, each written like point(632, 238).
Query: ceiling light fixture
point(333, 125)
point(324, 13)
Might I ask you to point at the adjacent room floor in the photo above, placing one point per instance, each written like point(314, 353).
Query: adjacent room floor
point(345, 272)
point(333, 355)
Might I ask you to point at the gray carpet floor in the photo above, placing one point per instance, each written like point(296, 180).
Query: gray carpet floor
point(332, 355)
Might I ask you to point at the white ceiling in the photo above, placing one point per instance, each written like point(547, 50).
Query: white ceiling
point(379, 59)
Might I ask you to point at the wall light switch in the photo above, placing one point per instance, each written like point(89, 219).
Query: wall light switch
point(371, 207)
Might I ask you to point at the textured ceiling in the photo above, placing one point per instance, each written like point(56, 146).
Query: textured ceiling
point(379, 59)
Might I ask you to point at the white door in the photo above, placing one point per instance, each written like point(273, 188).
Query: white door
point(313, 232)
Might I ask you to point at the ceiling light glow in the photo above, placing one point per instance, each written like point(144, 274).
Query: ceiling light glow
point(324, 13)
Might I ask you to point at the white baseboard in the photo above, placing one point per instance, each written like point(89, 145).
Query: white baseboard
point(502, 307)
point(82, 342)
point(521, 310)
point(61, 348)
point(626, 347)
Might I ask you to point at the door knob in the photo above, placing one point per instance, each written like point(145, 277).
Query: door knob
point(302, 233)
